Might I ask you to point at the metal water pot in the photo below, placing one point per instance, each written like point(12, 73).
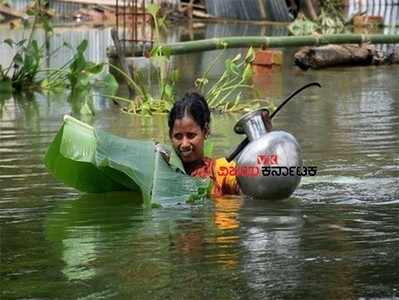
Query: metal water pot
point(267, 155)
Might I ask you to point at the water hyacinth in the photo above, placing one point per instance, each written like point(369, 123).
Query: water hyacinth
point(223, 96)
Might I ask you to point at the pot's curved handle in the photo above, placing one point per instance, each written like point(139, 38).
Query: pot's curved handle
point(237, 150)
point(245, 141)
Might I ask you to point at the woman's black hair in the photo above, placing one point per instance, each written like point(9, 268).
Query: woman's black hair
point(193, 105)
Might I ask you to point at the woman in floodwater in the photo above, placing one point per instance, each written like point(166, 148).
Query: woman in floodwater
point(189, 122)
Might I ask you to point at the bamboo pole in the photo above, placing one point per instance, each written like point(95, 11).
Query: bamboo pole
point(269, 42)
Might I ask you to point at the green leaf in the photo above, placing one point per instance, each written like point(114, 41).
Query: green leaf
point(162, 22)
point(6, 88)
point(86, 109)
point(201, 82)
point(166, 51)
point(82, 47)
point(236, 58)
point(67, 45)
point(247, 74)
point(174, 76)
point(228, 65)
point(152, 9)
point(94, 68)
point(9, 42)
point(92, 160)
point(250, 57)
point(18, 60)
point(168, 91)
point(236, 101)
point(110, 85)
point(20, 43)
point(47, 26)
point(83, 81)
point(45, 84)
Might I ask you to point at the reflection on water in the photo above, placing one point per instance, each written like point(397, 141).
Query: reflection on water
point(271, 240)
point(81, 230)
point(337, 237)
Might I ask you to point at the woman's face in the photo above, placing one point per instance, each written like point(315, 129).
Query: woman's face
point(188, 139)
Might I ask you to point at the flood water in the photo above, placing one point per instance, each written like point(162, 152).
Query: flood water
point(337, 237)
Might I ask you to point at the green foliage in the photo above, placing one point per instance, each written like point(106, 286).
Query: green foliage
point(145, 102)
point(303, 26)
point(330, 21)
point(5, 87)
point(159, 23)
point(325, 24)
point(198, 196)
point(25, 72)
point(236, 77)
point(38, 9)
point(332, 9)
point(83, 77)
point(78, 75)
point(24, 67)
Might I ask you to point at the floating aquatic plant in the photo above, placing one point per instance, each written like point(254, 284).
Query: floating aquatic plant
point(148, 102)
point(26, 73)
point(330, 20)
point(23, 71)
point(223, 96)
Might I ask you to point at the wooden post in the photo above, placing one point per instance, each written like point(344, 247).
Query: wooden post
point(122, 58)
point(310, 10)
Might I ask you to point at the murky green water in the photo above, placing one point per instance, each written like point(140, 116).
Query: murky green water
point(337, 237)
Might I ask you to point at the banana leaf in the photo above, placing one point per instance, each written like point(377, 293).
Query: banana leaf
point(94, 161)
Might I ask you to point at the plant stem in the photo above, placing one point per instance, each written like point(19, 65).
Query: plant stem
point(37, 11)
point(118, 98)
point(137, 87)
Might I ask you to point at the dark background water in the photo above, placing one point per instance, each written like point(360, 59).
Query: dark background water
point(336, 237)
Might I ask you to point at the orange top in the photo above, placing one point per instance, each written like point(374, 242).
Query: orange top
point(218, 170)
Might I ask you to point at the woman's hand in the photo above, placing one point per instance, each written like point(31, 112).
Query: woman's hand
point(267, 120)
point(164, 153)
